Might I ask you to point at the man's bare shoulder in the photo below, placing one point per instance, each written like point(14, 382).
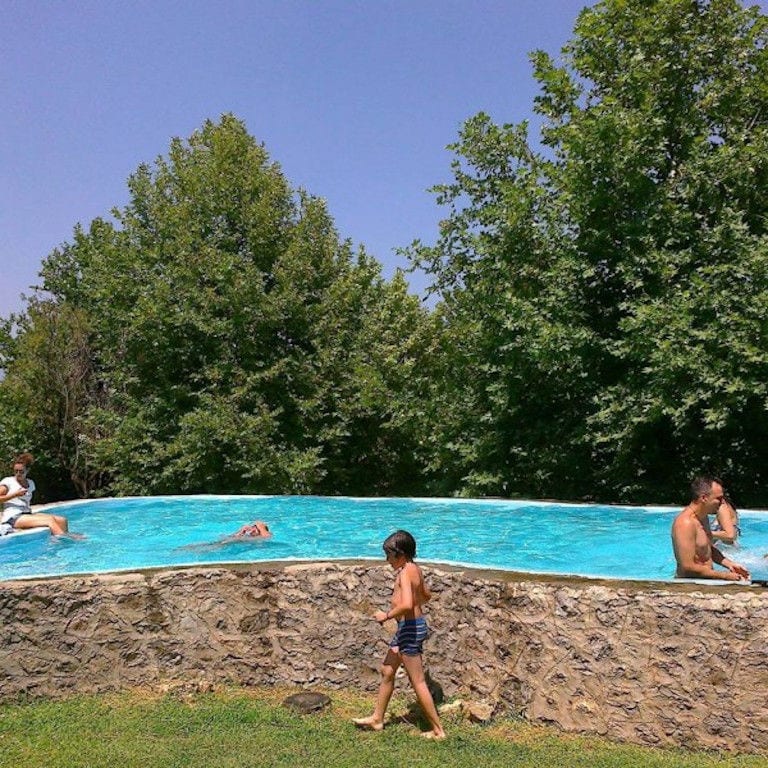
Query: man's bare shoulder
point(684, 518)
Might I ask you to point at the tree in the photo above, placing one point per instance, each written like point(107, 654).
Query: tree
point(240, 345)
point(373, 379)
point(46, 394)
point(613, 282)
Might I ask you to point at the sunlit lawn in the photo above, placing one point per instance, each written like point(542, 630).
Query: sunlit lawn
point(251, 728)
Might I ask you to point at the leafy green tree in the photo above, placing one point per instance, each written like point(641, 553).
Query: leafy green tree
point(47, 391)
point(605, 295)
point(239, 344)
point(373, 378)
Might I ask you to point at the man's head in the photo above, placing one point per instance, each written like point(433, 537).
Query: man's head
point(707, 491)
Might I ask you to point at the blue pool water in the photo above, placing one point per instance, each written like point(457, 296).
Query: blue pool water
point(538, 537)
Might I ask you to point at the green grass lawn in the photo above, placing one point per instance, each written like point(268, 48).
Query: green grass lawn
point(236, 728)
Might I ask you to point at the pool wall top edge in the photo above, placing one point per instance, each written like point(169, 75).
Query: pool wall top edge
point(503, 574)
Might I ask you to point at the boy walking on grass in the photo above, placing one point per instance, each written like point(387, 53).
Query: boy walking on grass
point(409, 594)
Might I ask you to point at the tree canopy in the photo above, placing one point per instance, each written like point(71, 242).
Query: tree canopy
point(235, 343)
point(605, 290)
point(600, 333)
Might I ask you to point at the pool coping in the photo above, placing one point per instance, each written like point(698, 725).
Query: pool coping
point(634, 585)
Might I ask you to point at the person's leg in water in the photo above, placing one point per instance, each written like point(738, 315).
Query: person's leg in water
point(386, 687)
point(415, 669)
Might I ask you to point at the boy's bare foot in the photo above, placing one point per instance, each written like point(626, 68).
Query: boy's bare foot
point(368, 723)
point(435, 735)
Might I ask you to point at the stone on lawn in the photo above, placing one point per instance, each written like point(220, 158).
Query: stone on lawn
point(307, 702)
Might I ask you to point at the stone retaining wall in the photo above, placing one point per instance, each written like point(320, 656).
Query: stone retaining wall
point(654, 664)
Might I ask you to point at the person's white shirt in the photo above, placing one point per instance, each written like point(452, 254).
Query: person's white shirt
point(20, 504)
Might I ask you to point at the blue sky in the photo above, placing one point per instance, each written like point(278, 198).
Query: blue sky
point(356, 101)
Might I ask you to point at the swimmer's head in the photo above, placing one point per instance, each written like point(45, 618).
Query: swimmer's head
point(259, 528)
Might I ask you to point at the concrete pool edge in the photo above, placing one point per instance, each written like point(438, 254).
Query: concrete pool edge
point(653, 663)
point(499, 574)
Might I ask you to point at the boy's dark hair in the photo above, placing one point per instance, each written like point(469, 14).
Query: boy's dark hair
point(401, 543)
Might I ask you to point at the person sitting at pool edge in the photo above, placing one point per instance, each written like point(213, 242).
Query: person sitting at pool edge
point(725, 527)
point(16, 496)
point(692, 540)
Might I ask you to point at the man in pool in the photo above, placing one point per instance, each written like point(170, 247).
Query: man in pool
point(692, 541)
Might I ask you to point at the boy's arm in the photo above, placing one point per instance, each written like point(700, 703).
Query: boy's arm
point(425, 589)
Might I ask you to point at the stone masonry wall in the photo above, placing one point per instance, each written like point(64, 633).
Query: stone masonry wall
point(653, 664)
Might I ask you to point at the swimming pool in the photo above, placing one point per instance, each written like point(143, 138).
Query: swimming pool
point(529, 536)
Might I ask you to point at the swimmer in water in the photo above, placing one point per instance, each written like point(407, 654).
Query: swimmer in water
point(725, 526)
point(256, 531)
